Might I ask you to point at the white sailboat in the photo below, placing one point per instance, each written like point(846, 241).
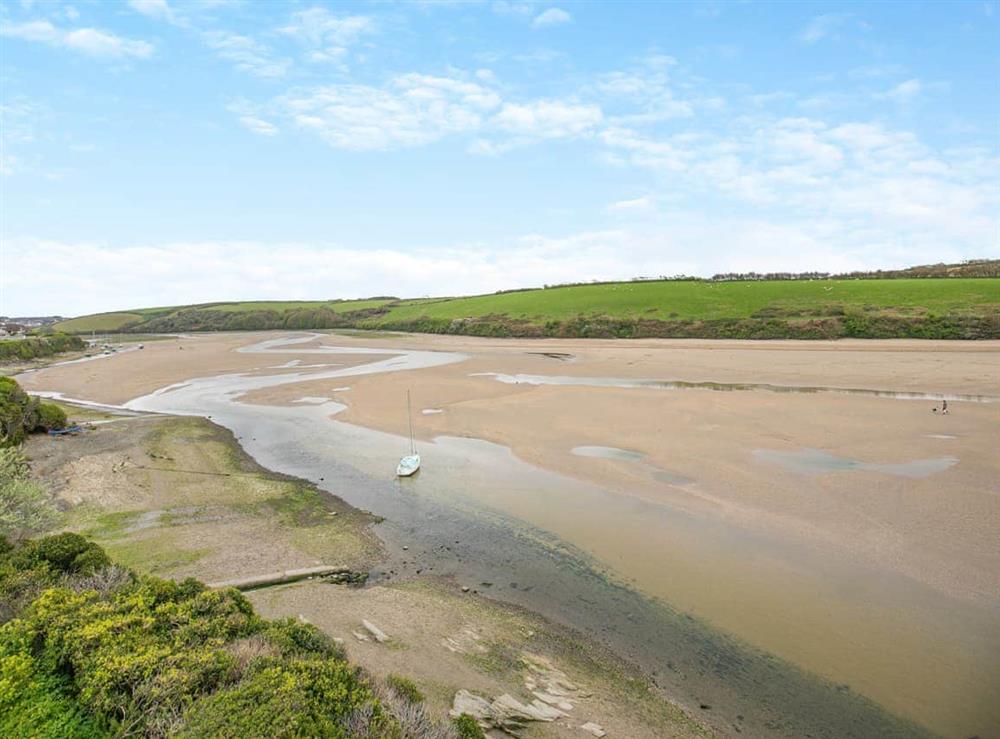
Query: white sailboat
point(411, 462)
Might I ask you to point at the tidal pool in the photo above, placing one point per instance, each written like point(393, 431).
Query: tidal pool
point(660, 586)
point(608, 452)
point(818, 462)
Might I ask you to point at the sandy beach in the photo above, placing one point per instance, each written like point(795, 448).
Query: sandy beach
point(762, 486)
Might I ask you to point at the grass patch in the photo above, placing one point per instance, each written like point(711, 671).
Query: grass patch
point(113, 525)
point(157, 554)
point(303, 505)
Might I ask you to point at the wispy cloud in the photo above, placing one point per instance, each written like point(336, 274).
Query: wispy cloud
point(413, 109)
point(823, 26)
point(325, 35)
point(548, 119)
point(246, 53)
point(631, 206)
point(91, 42)
point(157, 9)
point(551, 17)
point(905, 92)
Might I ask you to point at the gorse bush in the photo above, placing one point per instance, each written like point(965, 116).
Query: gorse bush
point(150, 657)
point(21, 414)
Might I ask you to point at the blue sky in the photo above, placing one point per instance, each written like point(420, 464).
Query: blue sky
point(164, 152)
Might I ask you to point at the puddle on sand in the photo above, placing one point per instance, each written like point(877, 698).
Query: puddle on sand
point(650, 384)
point(608, 452)
point(627, 455)
point(477, 513)
point(818, 462)
point(311, 400)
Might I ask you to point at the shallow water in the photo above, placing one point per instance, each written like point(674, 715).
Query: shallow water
point(608, 452)
point(481, 515)
point(650, 384)
point(818, 462)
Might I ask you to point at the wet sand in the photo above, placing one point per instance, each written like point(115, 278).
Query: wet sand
point(879, 569)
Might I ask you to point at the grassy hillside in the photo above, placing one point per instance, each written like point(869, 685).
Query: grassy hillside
point(831, 308)
point(712, 300)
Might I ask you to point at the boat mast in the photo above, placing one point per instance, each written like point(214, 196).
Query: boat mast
point(409, 418)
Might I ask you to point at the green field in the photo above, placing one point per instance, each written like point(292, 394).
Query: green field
point(808, 309)
point(712, 300)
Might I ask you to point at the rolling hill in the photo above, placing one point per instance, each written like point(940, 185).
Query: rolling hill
point(953, 307)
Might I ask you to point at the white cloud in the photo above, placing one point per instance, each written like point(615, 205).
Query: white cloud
point(258, 125)
point(325, 35)
point(89, 41)
point(318, 26)
point(548, 119)
point(875, 185)
point(905, 92)
point(246, 53)
point(822, 26)
point(631, 206)
point(156, 9)
point(413, 109)
point(551, 17)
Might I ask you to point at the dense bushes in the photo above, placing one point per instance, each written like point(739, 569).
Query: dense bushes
point(210, 319)
point(97, 655)
point(39, 346)
point(835, 325)
point(21, 414)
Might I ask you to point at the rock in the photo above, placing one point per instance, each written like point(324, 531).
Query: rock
point(474, 705)
point(360, 637)
point(375, 631)
point(465, 588)
point(591, 728)
point(504, 712)
point(553, 700)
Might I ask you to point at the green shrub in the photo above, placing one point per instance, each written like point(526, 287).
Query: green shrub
point(97, 654)
point(297, 698)
point(65, 553)
point(49, 416)
point(468, 728)
point(18, 412)
point(405, 688)
point(34, 704)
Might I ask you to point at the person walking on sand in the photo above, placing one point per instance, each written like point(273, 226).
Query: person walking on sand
point(944, 406)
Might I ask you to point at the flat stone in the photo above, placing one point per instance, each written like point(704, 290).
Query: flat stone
point(553, 700)
point(375, 631)
point(591, 728)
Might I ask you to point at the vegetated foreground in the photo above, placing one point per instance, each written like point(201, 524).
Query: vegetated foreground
point(90, 649)
point(926, 308)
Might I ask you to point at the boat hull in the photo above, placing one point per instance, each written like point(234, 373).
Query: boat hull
point(408, 465)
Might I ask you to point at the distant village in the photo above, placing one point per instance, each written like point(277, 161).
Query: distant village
point(18, 326)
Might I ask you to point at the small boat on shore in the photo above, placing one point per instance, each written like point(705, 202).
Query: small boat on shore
point(409, 464)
